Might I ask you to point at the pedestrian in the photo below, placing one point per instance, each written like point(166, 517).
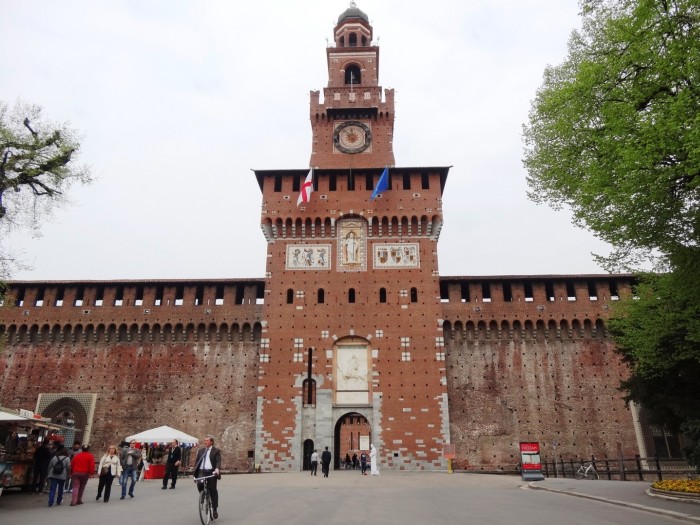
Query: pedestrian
point(59, 469)
point(110, 466)
point(74, 451)
point(347, 460)
point(172, 464)
point(363, 463)
point(42, 458)
point(326, 462)
point(129, 459)
point(374, 462)
point(208, 463)
point(354, 460)
point(82, 469)
point(314, 462)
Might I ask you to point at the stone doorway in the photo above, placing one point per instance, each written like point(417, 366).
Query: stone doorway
point(353, 431)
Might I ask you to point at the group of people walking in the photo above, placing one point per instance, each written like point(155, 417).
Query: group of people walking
point(353, 462)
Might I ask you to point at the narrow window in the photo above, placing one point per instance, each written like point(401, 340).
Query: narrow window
point(80, 291)
point(351, 295)
point(382, 295)
point(414, 295)
point(278, 183)
point(59, 296)
point(179, 295)
point(444, 293)
point(138, 300)
point(529, 295)
point(507, 292)
point(352, 40)
point(321, 296)
point(159, 296)
point(296, 185)
point(199, 295)
point(290, 296)
point(352, 75)
point(332, 182)
point(369, 183)
point(614, 292)
point(486, 292)
point(406, 181)
point(424, 181)
point(351, 181)
point(219, 295)
point(464, 292)
point(592, 291)
point(119, 296)
point(549, 290)
point(239, 294)
point(99, 296)
point(570, 291)
point(19, 297)
point(39, 299)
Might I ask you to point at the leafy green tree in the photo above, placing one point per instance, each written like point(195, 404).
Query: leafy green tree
point(614, 134)
point(37, 166)
point(614, 131)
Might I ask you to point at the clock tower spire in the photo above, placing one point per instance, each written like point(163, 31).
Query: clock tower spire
point(354, 124)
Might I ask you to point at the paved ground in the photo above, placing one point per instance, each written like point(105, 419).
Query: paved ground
point(348, 498)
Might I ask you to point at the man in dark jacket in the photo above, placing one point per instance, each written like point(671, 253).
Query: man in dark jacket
point(208, 463)
point(42, 457)
point(326, 462)
point(172, 464)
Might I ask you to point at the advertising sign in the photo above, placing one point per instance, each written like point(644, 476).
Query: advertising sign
point(530, 462)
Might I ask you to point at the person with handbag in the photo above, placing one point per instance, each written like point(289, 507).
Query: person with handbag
point(110, 467)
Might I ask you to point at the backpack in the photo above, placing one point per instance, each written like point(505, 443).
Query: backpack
point(59, 466)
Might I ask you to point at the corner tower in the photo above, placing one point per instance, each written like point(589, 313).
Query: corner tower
point(353, 127)
point(352, 350)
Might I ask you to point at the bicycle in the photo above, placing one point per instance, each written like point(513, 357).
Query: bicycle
point(206, 512)
point(586, 471)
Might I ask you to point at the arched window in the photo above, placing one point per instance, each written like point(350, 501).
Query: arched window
point(414, 295)
point(290, 296)
point(309, 390)
point(352, 39)
point(351, 295)
point(382, 295)
point(353, 76)
point(321, 296)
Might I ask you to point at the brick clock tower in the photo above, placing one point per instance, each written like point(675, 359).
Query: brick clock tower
point(352, 350)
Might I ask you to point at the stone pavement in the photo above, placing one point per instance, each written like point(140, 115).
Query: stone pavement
point(630, 494)
point(344, 499)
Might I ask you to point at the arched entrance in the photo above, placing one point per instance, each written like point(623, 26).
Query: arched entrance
point(69, 412)
point(352, 432)
point(308, 450)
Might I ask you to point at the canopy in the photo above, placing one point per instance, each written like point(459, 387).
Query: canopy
point(9, 416)
point(163, 435)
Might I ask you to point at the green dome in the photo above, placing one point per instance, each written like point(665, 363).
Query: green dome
point(353, 12)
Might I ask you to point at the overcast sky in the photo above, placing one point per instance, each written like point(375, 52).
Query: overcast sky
point(177, 100)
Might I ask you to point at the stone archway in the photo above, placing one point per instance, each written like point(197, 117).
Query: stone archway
point(308, 450)
point(69, 412)
point(352, 430)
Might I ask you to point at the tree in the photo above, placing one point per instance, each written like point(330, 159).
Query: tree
point(614, 133)
point(37, 166)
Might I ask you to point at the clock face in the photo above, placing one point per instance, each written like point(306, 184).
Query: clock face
point(352, 137)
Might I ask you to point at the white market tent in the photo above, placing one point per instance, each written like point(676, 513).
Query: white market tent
point(9, 416)
point(163, 435)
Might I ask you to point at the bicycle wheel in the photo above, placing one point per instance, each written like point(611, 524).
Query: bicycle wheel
point(591, 474)
point(580, 473)
point(204, 507)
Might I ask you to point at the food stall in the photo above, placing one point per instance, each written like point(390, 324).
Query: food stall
point(154, 442)
point(20, 433)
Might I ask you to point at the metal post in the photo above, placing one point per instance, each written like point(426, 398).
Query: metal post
point(639, 467)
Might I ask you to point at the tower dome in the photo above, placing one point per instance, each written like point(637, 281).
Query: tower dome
point(353, 12)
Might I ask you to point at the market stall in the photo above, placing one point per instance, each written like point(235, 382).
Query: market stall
point(154, 441)
point(20, 433)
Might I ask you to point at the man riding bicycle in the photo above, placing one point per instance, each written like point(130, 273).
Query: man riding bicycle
point(208, 463)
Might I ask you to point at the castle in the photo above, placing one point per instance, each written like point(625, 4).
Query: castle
point(352, 337)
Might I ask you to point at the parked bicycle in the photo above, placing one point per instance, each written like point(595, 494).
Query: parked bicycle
point(586, 471)
point(206, 512)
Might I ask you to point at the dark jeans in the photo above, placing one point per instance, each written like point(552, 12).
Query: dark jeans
point(56, 491)
point(314, 467)
point(211, 483)
point(39, 481)
point(106, 485)
point(364, 466)
point(170, 474)
point(325, 468)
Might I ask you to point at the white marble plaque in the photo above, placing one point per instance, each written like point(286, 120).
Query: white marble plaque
point(308, 257)
point(400, 255)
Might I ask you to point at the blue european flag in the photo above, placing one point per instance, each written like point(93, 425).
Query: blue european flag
point(382, 185)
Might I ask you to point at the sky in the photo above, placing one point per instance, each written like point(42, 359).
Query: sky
point(176, 101)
